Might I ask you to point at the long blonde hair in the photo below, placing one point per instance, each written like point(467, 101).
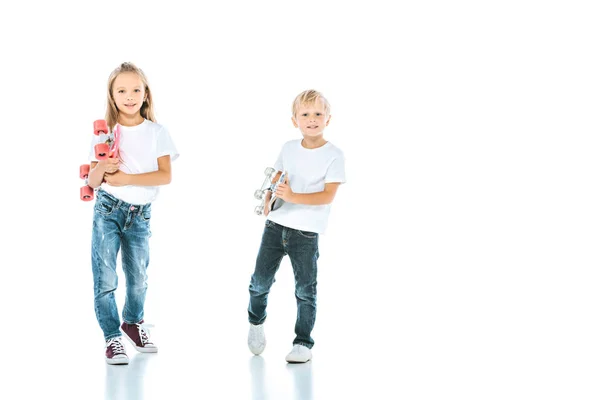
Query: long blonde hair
point(112, 112)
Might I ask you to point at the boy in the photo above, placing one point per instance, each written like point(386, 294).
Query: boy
point(315, 169)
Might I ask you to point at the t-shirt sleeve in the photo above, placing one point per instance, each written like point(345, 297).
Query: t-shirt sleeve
point(279, 162)
point(165, 145)
point(336, 173)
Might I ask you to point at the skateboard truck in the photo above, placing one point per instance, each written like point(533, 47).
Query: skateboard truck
point(261, 194)
point(102, 151)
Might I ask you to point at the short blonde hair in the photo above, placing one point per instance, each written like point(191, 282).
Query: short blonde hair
point(112, 112)
point(309, 97)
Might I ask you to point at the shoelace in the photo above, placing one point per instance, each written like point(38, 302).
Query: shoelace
point(144, 330)
point(116, 345)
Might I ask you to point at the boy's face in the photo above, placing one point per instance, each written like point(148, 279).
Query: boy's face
point(311, 119)
point(128, 92)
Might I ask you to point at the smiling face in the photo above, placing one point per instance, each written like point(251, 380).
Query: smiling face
point(311, 119)
point(129, 93)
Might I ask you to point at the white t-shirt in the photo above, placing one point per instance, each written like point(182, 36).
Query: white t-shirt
point(139, 149)
point(308, 172)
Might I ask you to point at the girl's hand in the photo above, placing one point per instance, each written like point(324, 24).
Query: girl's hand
point(284, 191)
point(118, 178)
point(110, 165)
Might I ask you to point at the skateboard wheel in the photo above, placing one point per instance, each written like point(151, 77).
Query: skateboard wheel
point(86, 193)
point(101, 150)
point(258, 210)
point(269, 171)
point(100, 126)
point(259, 194)
point(84, 171)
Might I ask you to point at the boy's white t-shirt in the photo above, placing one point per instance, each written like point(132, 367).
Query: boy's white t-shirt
point(139, 149)
point(308, 172)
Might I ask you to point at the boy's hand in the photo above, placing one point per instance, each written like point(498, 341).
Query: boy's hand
point(118, 178)
point(267, 200)
point(284, 191)
point(110, 165)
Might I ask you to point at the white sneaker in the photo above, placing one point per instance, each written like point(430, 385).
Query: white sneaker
point(299, 354)
point(256, 339)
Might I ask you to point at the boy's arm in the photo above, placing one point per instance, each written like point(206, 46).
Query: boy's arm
point(312, 199)
point(268, 194)
point(155, 178)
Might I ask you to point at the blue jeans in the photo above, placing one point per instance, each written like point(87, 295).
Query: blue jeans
point(118, 224)
point(303, 250)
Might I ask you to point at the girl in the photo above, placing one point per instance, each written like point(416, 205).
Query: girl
point(122, 208)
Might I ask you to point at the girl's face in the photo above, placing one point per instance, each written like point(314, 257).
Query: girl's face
point(129, 93)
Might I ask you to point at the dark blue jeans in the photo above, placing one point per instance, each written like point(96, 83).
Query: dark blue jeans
point(303, 249)
point(118, 224)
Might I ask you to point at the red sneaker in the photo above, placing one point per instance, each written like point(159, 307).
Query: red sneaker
point(115, 352)
point(139, 336)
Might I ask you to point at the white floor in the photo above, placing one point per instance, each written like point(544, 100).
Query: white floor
point(383, 349)
point(198, 361)
point(438, 323)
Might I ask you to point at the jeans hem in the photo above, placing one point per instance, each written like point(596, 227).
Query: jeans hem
point(257, 323)
point(310, 346)
point(114, 335)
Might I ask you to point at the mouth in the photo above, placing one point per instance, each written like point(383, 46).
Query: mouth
point(312, 126)
point(131, 105)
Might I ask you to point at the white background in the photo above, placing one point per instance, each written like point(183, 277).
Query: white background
point(461, 259)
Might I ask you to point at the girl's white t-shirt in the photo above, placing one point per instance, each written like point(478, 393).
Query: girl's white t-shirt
point(139, 150)
point(308, 172)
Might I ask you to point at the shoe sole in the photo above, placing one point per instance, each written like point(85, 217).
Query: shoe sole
point(297, 362)
point(257, 353)
point(140, 349)
point(117, 361)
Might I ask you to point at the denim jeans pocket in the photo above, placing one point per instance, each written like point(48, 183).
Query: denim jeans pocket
point(104, 206)
point(146, 214)
point(308, 235)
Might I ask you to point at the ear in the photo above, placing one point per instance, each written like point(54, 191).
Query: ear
point(294, 122)
point(328, 119)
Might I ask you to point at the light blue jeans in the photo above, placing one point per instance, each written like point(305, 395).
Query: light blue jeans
point(124, 226)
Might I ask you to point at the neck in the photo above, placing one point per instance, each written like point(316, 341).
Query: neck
point(313, 142)
point(130, 120)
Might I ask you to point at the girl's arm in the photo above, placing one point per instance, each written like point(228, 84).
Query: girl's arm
point(155, 178)
point(99, 169)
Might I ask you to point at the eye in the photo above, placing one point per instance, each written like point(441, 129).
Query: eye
point(120, 91)
point(137, 90)
point(318, 114)
point(305, 115)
